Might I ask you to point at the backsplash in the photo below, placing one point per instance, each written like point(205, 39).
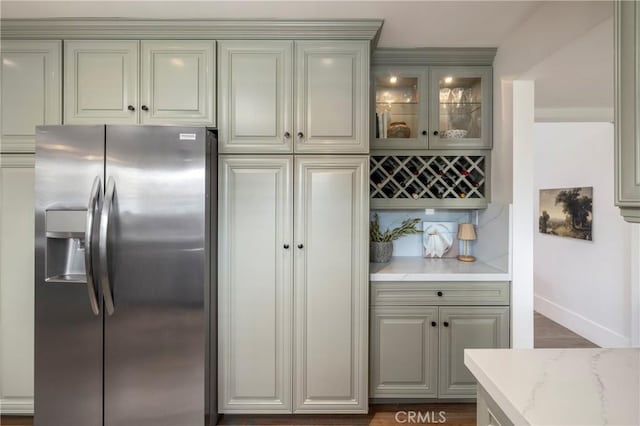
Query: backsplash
point(492, 228)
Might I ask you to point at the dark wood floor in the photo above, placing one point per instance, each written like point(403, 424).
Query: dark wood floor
point(547, 334)
point(550, 334)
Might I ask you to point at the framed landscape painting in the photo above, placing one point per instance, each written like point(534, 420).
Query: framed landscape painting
point(567, 212)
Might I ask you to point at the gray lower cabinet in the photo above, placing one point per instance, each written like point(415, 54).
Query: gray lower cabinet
point(467, 327)
point(404, 352)
point(417, 341)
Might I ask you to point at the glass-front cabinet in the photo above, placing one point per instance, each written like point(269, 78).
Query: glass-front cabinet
point(401, 116)
point(422, 107)
point(461, 115)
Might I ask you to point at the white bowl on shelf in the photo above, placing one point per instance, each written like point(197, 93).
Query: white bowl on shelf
point(455, 133)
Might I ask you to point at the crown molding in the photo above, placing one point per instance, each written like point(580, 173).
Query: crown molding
point(177, 29)
point(20, 406)
point(457, 56)
point(17, 161)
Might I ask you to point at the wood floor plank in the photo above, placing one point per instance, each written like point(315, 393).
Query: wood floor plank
point(550, 334)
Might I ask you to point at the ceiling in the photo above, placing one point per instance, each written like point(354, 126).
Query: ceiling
point(406, 24)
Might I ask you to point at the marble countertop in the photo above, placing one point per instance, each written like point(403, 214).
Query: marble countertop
point(422, 269)
point(561, 386)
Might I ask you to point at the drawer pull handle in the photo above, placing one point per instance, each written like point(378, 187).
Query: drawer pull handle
point(433, 323)
point(439, 294)
point(286, 246)
point(446, 324)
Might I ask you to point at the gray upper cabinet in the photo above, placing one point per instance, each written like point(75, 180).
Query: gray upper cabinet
point(307, 97)
point(460, 114)
point(101, 82)
point(432, 98)
point(627, 84)
point(332, 97)
point(174, 85)
point(256, 96)
point(31, 91)
point(177, 84)
point(401, 107)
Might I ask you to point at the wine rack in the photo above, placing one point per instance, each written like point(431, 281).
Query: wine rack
point(438, 180)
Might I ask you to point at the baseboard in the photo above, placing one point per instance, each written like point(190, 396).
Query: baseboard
point(590, 330)
point(16, 406)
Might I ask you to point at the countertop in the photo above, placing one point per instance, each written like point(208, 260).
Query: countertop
point(422, 269)
point(561, 386)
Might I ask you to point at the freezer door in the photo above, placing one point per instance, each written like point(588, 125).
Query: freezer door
point(154, 268)
point(68, 318)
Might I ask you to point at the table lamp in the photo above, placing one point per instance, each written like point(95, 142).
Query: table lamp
point(466, 233)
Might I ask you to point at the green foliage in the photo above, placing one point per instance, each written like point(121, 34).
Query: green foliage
point(407, 227)
point(543, 221)
point(577, 207)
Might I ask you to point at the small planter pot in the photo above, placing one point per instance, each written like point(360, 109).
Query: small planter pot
point(380, 252)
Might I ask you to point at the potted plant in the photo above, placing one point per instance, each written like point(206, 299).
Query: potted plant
point(381, 243)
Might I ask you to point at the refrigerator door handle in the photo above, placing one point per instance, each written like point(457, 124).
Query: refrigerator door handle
point(94, 203)
point(105, 282)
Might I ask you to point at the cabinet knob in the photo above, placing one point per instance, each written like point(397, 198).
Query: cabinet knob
point(300, 246)
point(439, 294)
point(435, 133)
point(144, 108)
point(286, 246)
point(424, 133)
point(446, 324)
point(131, 108)
point(433, 323)
point(300, 135)
point(287, 135)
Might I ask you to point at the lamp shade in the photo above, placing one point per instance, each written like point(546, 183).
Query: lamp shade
point(466, 232)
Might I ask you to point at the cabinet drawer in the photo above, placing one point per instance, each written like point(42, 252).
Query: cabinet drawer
point(398, 293)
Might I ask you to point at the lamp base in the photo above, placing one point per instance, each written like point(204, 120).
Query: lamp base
point(464, 258)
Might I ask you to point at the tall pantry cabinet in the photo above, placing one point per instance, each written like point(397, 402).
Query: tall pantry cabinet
point(293, 221)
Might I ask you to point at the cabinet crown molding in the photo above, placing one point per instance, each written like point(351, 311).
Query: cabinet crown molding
point(218, 29)
point(462, 56)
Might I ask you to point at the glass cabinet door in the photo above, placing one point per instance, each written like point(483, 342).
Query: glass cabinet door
point(400, 120)
point(461, 111)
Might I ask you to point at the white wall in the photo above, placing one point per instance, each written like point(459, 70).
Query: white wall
point(552, 26)
point(522, 244)
point(583, 285)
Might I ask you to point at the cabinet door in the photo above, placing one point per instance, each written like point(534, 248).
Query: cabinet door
point(332, 97)
point(256, 101)
point(31, 91)
point(17, 287)
point(100, 82)
point(254, 284)
point(331, 284)
point(178, 82)
point(404, 352)
point(460, 109)
point(467, 328)
point(627, 130)
point(401, 119)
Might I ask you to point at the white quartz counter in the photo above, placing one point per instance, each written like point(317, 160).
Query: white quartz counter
point(422, 269)
point(561, 386)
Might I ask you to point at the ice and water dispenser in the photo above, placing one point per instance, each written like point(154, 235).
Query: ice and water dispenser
point(65, 251)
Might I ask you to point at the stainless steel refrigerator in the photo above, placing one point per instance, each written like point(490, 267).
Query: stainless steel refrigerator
point(123, 264)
